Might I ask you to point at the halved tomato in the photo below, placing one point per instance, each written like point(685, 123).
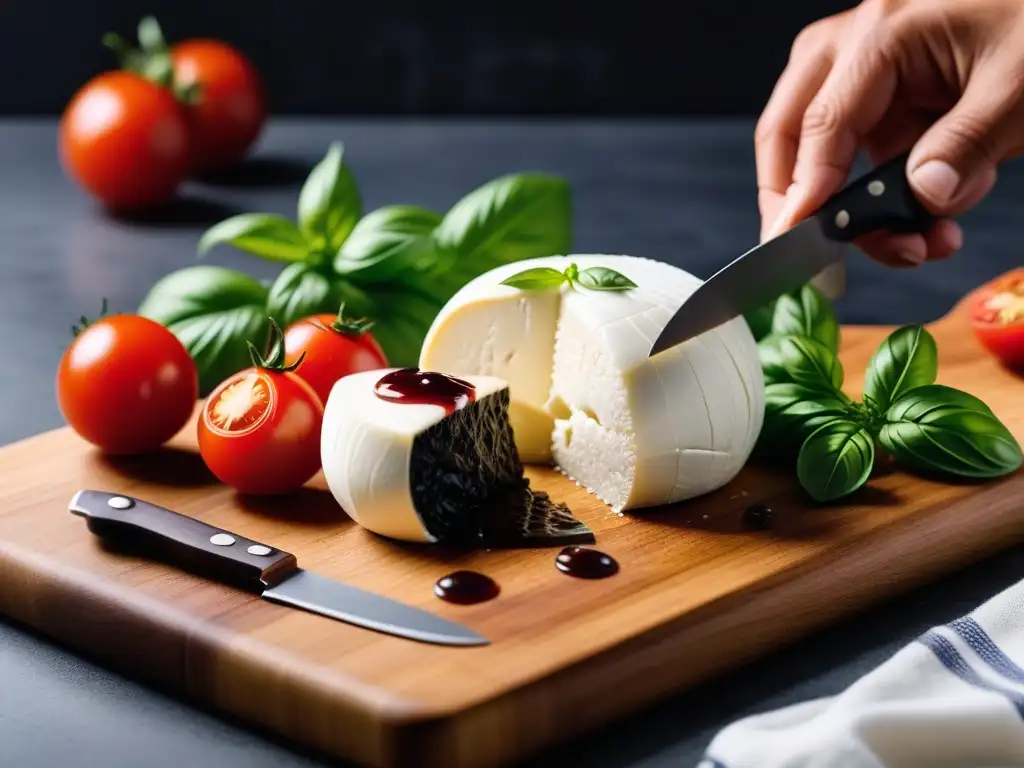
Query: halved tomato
point(997, 317)
point(260, 428)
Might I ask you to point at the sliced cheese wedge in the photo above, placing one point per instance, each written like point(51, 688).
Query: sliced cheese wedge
point(428, 473)
point(635, 431)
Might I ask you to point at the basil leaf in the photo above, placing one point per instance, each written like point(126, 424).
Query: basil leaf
point(299, 291)
point(514, 217)
point(214, 311)
point(935, 427)
point(792, 412)
point(535, 279)
point(800, 360)
point(387, 243)
point(401, 318)
point(907, 359)
point(604, 279)
point(806, 312)
point(329, 202)
point(263, 234)
point(835, 460)
point(760, 320)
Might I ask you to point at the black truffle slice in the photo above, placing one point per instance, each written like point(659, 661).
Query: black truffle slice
point(468, 486)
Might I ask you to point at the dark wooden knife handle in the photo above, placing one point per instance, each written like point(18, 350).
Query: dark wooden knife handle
point(880, 200)
point(183, 541)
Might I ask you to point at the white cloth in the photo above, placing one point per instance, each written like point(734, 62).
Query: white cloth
point(953, 697)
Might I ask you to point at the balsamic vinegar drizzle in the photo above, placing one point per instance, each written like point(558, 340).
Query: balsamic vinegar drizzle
point(415, 387)
point(466, 587)
point(586, 563)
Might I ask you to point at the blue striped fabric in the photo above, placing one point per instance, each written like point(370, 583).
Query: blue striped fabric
point(951, 659)
point(983, 645)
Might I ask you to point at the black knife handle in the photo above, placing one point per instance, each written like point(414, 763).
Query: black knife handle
point(183, 541)
point(881, 199)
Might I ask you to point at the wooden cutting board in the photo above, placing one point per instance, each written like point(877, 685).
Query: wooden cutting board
point(696, 592)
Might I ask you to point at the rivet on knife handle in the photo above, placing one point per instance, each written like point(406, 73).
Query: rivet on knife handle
point(881, 199)
point(184, 541)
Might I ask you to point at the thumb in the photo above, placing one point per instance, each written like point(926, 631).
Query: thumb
point(953, 165)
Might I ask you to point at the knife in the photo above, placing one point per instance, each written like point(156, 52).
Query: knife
point(271, 573)
point(881, 199)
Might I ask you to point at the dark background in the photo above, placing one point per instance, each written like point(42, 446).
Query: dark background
point(434, 57)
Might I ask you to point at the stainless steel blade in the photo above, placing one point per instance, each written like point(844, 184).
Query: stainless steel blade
point(763, 273)
point(321, 595)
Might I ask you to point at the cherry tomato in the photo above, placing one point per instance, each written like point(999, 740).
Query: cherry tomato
point(231, 106)
point(259, 430)
point(331, 347)
point(126, 384)
point(125, 140)
point(997, 317)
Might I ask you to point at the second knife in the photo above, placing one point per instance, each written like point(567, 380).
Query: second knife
point(271, 573)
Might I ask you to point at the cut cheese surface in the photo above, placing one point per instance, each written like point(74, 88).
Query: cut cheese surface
point(494, 330)
point(419, 472)
point(636, 431)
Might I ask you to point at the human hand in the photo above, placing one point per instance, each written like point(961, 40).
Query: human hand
point(944, 78)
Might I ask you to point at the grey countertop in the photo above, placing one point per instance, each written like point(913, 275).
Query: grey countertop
point(680, 192)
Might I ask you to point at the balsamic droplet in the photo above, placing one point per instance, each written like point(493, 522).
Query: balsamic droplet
point(586, 563)
point(415, 387)
point(466, 587)
point(758, 517)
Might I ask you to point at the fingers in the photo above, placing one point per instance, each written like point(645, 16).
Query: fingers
point(777, 134)
point(852, 101)
point(953, 166)
point(905, 251)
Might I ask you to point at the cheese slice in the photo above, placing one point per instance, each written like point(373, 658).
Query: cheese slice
point(635, 431)
point(416, 472)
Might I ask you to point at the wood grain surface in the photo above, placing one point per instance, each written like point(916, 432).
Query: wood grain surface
point(696, 592)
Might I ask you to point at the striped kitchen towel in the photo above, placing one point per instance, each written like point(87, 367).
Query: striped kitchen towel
point(953, 697)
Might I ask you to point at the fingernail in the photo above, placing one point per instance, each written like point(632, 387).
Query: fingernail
point(789, 207)
point(937, 180)
point(912, 257)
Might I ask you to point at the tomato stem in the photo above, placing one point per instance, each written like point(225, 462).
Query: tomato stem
point(347, 326)
point(86, 322)
point(273, 359)
point(151, 60)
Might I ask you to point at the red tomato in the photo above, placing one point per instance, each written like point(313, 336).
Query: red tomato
point(125, 140)
point(126, 384)
point(331, 347)
point(997, 317)
point(232, 106)
point(259, 431)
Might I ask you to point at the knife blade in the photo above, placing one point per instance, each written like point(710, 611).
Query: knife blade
point(257, 568)
point(881, 199)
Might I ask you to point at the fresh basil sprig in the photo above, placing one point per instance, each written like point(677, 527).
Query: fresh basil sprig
point(927, 426)
point(397, 265)
point(549, 278)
